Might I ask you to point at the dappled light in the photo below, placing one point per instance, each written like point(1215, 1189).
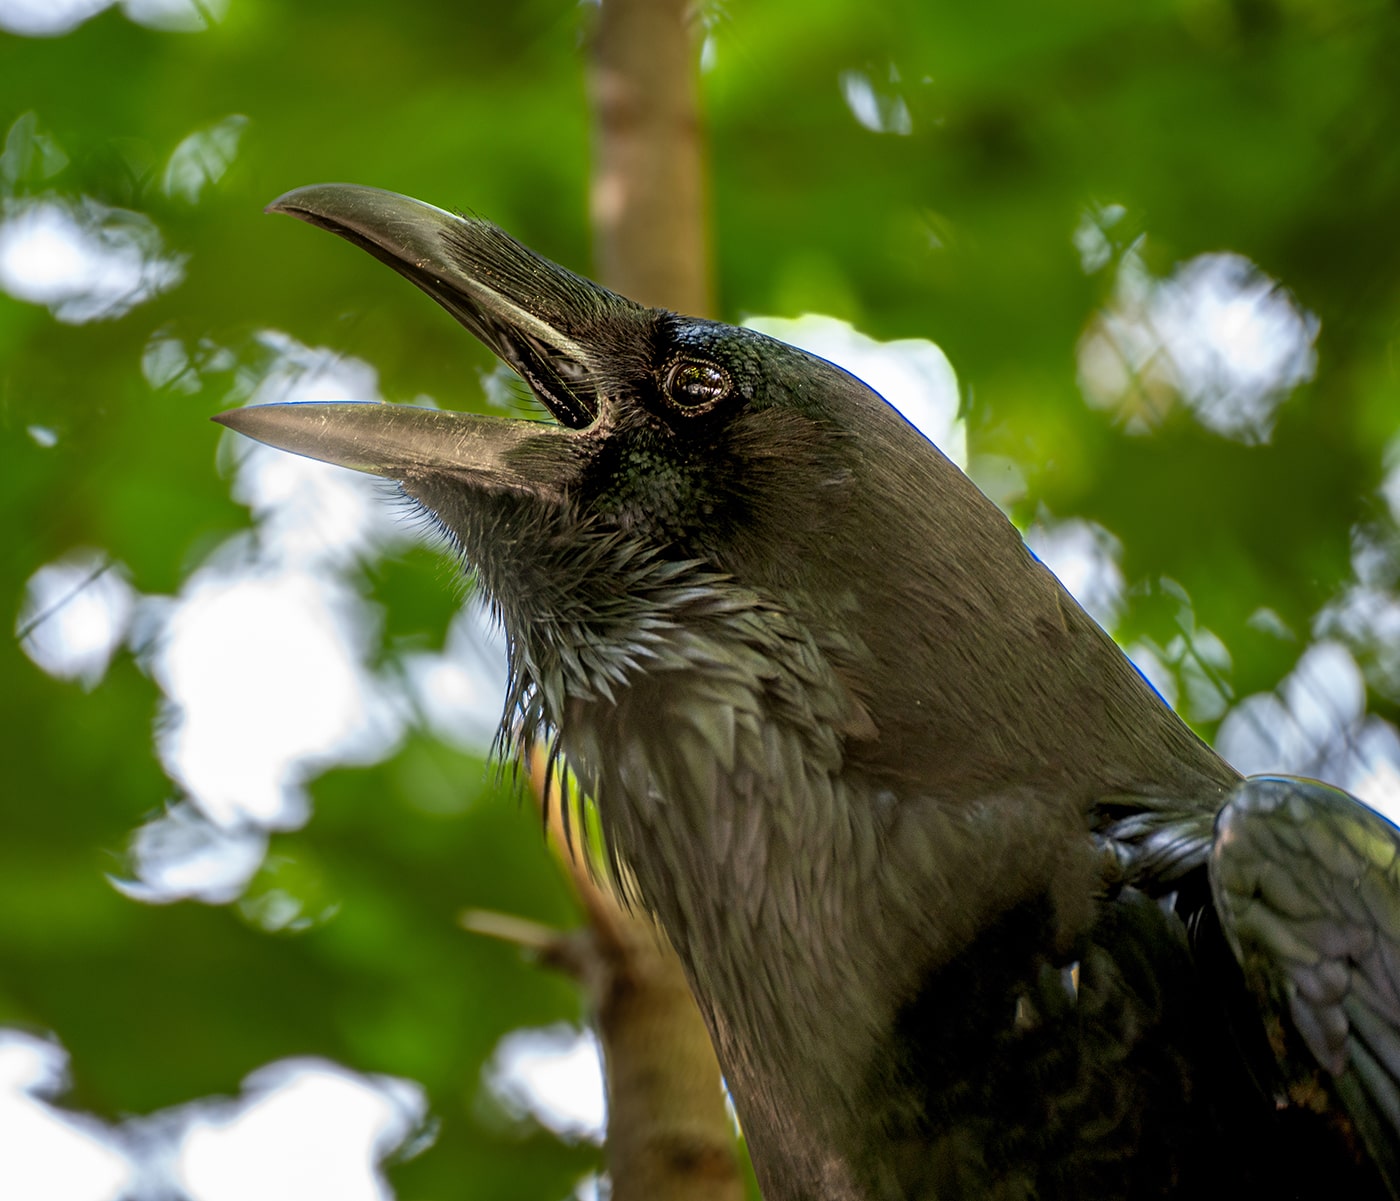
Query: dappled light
point(552, 1076)
point(31, 155)
point(86, 261)
point(913, 374)
point(169, 364)
point(302, 1130)
point(289, 895)
point(47, 1153)
point(1315, 724)
point(251, 697)
point(1190, 667)
point(592, 1188)
point(457, 693)
point(203, 157)
point(307, 510)
point(1319, 716)
point(1366, 616)
point(1218, 335)
point(1098, 236)
point(75, 614)
point(184, 855)
point(263, 655)
point(264, 671)
point(880, 109)
point(49, 18)
point(1390, 487)
point(1084, 556)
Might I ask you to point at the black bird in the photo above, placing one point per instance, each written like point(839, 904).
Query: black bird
point(969, 911)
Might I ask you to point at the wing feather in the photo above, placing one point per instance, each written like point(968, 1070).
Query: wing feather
point(1306, 879)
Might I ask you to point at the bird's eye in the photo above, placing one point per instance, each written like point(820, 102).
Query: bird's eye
point(696, 387)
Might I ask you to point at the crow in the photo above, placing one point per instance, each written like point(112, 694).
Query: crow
point(968, 910)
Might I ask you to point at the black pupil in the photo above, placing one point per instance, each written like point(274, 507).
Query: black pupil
point(697, 384)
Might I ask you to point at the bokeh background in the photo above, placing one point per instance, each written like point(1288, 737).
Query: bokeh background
point(1137, 266)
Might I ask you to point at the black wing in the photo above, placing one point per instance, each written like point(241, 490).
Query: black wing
point(1306, 880)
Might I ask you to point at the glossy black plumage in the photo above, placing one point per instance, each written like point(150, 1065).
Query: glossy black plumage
point(969, 911)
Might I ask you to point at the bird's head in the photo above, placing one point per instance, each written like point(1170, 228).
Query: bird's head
point(683, 431)
point(693, 467)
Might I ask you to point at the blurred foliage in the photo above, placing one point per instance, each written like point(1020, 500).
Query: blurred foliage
point(1261, 127)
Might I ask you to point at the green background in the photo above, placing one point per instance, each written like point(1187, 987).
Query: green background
point(1266, 128)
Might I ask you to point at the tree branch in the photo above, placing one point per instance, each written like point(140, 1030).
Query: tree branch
point(649, 195)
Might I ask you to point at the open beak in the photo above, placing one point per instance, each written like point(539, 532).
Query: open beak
point(405, 442)
point(535, 315)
